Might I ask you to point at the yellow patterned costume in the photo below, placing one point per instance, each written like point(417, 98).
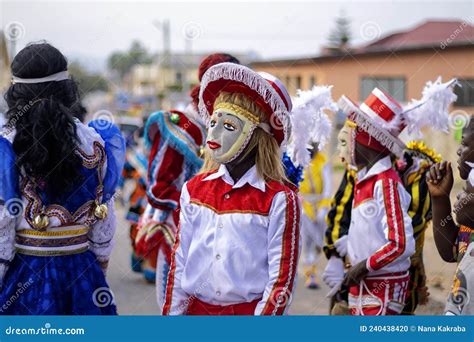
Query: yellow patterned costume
point(316, 192)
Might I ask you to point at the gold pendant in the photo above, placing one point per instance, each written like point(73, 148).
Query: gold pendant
point(41, 222)
point(101, 211)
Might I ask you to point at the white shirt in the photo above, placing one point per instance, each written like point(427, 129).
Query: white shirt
point(381, 229)
point(237, 242)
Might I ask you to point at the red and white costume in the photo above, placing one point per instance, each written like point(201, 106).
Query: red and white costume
point(174, 158)
point(381, 232)
point(238, 243)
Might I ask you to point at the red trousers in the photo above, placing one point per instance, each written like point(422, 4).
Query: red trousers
point(197, 307)
point(379, 295)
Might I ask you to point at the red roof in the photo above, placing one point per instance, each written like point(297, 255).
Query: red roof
point(430, 33)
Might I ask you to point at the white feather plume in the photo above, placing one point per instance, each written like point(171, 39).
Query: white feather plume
point(309, 122)
point(432, 109)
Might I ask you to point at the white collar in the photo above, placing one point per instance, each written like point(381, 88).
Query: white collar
point(380, 166)
point(251, 177)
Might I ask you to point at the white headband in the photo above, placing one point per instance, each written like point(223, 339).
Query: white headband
point(59, 76)
point(265, 127)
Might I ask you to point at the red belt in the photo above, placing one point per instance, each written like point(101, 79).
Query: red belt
point(197, 307)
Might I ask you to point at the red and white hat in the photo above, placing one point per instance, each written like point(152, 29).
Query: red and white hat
point(267, 91)
point(379, 121)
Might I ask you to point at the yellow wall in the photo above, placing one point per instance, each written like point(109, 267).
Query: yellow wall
point(345, 72)
point(416, 67)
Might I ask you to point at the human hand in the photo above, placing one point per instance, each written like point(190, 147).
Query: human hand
point(334, 272)
point(440, 179)
point(341, 246)
point(356, 274)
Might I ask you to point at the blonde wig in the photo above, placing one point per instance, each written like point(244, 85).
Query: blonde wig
point(268, 157)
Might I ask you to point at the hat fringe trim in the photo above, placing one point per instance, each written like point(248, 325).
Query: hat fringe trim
point(372, 128)
point(240, 73)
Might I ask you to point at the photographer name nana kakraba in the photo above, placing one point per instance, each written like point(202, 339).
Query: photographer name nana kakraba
point(441, 328)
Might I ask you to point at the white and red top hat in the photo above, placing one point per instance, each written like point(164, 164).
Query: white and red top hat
point(379, 119)
point(267, 91)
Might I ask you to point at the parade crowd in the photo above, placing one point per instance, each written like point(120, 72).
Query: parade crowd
point(228, 194)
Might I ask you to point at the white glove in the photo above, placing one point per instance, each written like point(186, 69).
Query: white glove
point(341, 246)
point(334, 271)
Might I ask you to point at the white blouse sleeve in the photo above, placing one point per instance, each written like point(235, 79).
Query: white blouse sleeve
point(102, 233)
point(176, 299)
point(7, 240)
point(283, 253)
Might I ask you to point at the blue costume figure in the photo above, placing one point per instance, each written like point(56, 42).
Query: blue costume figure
point(55, 242)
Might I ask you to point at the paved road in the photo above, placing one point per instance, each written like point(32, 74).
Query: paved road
point(135, 297)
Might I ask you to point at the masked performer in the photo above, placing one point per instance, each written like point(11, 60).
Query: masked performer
point(174, 139)
point(237, 246)
point(412, 166)
point(58, 178)
point(379, 276)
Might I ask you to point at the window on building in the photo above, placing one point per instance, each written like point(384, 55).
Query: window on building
point(312, 81)
point(179, 78)
point(298, 82)
point(465, 93)
point(287, 82)
point(395, 87)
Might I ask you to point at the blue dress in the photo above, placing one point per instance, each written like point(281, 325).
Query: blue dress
point(56, 270)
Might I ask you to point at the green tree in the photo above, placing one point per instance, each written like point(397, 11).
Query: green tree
point(340, 35)
point(87, 82)
point(123, 61)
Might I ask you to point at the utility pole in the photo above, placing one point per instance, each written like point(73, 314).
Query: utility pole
point(188, 61)
point(166, 39)
point(165, 57)
point(164, 27)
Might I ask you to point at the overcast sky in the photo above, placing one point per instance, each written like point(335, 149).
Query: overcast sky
point(90, 31)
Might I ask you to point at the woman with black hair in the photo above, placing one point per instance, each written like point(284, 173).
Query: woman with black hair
point(57, 182)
